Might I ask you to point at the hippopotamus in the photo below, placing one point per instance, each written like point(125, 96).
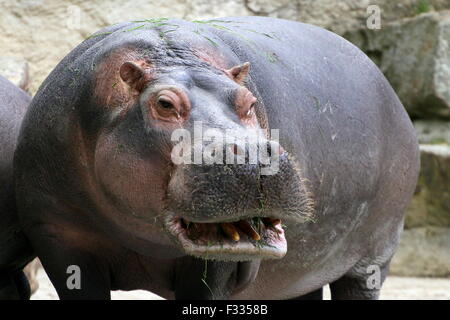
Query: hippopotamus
point(15, 250)
point(108, 205)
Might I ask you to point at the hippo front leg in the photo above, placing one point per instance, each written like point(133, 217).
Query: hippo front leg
point(357, 285)
point(314, 295)
point(14, 286)
point(73, 265)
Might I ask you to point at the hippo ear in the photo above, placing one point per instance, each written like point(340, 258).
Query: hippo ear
point(131, 73)
point(239, 73)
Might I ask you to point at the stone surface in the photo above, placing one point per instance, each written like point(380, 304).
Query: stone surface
point(430, 205)
point(415, 57)
point(394, 288)
point(31, 271)
point(423, 251)
point(16, 71)
point(433, 132)
point(425, 242)
point(341, 16)
point(44, 31)
point(412, 288)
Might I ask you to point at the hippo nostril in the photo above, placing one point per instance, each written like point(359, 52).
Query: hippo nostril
point(269, 149)
point(237, 150)
point(276, 148)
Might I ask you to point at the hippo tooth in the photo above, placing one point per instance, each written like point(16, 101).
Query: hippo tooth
point(248, 229)
point(230, 230)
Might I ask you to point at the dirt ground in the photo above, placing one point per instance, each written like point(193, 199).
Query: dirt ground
point(395, 288)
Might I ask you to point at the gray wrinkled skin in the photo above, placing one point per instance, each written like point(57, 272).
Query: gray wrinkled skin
point(15, 251)
point(338, 118)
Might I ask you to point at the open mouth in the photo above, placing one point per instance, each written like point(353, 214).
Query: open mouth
point(242, 240)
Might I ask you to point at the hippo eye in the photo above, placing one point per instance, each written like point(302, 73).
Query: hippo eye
point(169, 104)
point(165, 104)
point(167, 108)
point(249, 112)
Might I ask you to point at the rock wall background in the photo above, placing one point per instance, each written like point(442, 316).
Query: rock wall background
point(414, 54)
point(44, 31)
point(411, 48)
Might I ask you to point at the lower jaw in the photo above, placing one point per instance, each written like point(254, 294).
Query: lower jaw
point(272, 244)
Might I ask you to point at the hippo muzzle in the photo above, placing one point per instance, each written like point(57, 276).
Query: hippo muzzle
point(235, 211)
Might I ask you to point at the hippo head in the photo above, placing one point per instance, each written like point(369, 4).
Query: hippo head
point(193, 155)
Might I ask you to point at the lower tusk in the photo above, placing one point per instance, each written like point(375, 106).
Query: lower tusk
point(230, 230)
point(248, 230)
